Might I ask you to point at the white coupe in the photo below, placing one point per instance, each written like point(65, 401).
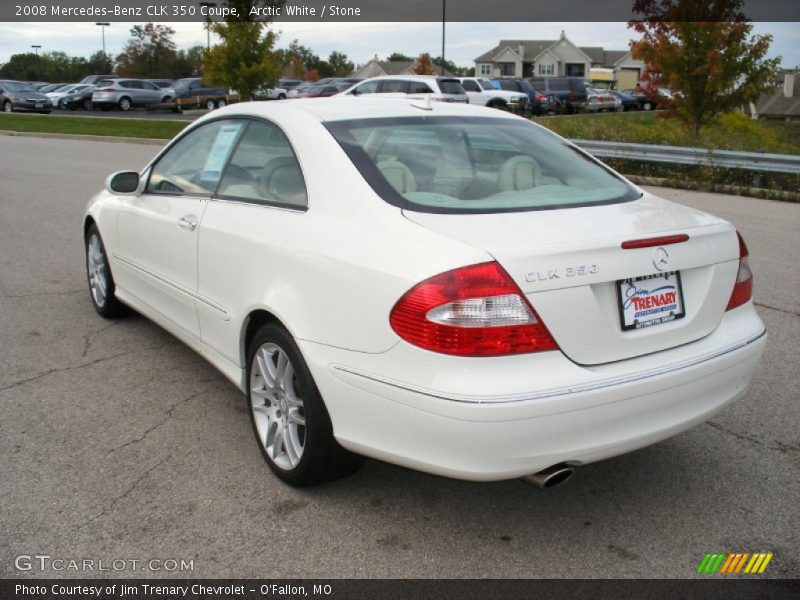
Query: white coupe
point(444, 287)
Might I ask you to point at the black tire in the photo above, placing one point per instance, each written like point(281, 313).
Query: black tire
point(63, 104)
point(222, 103)
point(125, 104)
point(88, 105)
point(281, 96)
point(647, 106)
point(7, 106)
point(210, 105)
point(108, 307)
point(322, 458)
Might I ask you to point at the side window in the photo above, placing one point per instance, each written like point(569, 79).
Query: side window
point(148, 86)
point(419, 87)
point(470, 86)
point(368, 87)
point(264, 168)
point(394, 86)
point(194, 164)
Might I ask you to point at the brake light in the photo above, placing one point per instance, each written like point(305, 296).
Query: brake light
point(665, 240)
point(472, 311)
point(107, 90)
point(743, 288)
point(540, 98)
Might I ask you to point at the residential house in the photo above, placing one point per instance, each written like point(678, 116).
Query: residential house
point(780, 103)
point(559, 58)
point(381, 68)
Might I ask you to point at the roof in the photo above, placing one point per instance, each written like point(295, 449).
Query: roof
point(533, 48)
point(530, 47)
point(340, 108)
point(778, 105)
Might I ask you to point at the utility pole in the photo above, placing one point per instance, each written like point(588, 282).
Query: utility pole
point(36, 48)
point(103, 31)
point(208, 22)
point(444, 20)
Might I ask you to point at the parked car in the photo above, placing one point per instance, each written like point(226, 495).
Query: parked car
point(79, 98)
point(650, 99)
point(288, 84)
point(126, 94)
point(320, 91)
point(193, 93)
point(448, 288)
point(539, 103)
point(276, 93)
point(162, 83)
point(19, 96)
point(570, 92)
point(295, 91)
point(442, 89)
point(482, 92)
point(627, 101)
point(57, 96)
point(599, 101)
point(94, 79)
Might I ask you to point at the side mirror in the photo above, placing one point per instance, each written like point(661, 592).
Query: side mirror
point(123, 182)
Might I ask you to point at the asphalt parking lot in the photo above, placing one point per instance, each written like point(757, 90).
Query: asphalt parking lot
point(118, 442)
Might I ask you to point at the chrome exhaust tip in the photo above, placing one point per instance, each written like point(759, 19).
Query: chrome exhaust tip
point(550, 477)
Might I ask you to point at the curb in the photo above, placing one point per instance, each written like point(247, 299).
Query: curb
point(89, 138)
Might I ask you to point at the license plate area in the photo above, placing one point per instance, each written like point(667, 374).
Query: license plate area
point(650, 300)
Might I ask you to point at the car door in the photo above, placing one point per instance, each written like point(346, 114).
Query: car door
point(151, 93)
point(158, 229)
point(474, 92)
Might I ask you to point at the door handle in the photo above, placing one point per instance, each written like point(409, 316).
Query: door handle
point(188, 223)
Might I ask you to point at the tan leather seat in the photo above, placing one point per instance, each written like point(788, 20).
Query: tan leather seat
point(398, 175)
point(519, 173)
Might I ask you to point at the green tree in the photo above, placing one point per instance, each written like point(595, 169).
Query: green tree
point(449, 65)
point(398, 56)
point(188, 63)
point(341, 66)
point(48, 66)
point(244, 60)
point(150, 52)
point(705, 51)
point(101, 63)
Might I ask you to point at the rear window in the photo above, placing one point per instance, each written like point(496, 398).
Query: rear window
point(450, 86)
point(475, 165)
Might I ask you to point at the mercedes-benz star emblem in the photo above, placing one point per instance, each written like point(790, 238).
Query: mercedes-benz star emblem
point(660, 259)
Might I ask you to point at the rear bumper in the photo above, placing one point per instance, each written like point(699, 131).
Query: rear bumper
point(494, 419)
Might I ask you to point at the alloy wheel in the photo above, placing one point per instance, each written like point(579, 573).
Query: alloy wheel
point(278, 409)
point(98, 271)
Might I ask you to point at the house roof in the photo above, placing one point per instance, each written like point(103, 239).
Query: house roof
point(533, 48)
point(612, 57)
point(596, 53)
point(778, 105)
point(403, 67)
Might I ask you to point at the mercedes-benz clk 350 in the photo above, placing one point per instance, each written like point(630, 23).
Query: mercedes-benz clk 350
point(444, 287)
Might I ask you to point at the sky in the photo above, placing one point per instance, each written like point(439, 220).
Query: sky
point(361, 41)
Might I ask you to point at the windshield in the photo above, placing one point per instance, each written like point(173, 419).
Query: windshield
point(475, 165)
point(16, 86)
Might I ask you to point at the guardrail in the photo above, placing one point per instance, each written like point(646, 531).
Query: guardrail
point(752, 161)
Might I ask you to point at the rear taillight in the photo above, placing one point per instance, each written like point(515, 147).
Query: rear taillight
point(471, 311)
point(107, 90)
point(743, 288)
point(541, 98)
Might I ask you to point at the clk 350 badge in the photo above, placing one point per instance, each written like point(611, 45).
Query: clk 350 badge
point(573, 271)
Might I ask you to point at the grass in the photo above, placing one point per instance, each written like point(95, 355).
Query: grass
point(729, 132)
point(134, 128)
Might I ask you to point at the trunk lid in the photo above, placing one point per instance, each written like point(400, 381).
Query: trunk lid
point(568, 263)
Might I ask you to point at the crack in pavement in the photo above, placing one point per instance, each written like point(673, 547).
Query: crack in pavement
point(778, 447)
point(87, 339)
point(126, 493)
point(35, 294)
point(167, 416)
point(783, 310)
point(20, 382)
